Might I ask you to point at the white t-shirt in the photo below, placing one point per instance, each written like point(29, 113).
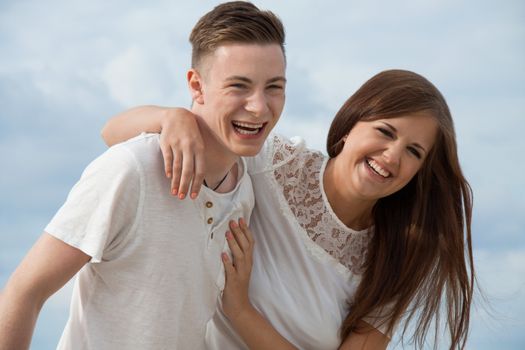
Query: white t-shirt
point(307, 263)
point(155, 275)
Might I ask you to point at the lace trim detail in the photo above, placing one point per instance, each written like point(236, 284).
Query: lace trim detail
point(283, 151)
point(327, 238)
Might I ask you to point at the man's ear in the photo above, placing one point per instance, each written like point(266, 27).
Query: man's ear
point(195, 86)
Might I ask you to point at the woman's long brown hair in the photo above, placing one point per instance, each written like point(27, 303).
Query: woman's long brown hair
point(419, 265)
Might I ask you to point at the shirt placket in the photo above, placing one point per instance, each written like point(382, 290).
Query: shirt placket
point(214, 218)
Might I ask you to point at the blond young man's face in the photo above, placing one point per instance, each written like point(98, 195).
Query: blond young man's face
point(242, 94)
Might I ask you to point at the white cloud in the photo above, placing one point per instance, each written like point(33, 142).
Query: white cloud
point(134, 77)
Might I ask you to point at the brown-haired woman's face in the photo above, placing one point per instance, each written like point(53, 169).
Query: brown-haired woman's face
point(380, 157)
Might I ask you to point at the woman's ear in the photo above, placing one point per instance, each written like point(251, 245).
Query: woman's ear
point(195, 86)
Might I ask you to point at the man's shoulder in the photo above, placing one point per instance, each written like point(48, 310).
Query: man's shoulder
point(144, 142)
point(138, 155)
point(144, 149)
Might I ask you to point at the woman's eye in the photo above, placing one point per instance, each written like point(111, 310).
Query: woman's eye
point(275, 87)
point(415, 152)
point(386, 132)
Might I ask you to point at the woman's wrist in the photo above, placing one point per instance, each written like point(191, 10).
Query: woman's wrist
point(168, 115)
point(165, 117)
point(242, 314)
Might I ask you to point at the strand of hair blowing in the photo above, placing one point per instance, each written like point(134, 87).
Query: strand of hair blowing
point(418, 262)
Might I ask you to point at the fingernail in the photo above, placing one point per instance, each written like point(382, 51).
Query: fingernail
point(224, 256)
point(242, 222)
point(228, 235)
point(174, 191)
point(233, 224)
point(168, 174)
point(181, 195)
point(193, 195)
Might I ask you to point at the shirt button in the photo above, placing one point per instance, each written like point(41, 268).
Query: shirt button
point(209, 204)
point(210, 221)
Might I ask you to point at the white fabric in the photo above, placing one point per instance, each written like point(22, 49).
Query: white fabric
point(301, 282)
point(155, 274)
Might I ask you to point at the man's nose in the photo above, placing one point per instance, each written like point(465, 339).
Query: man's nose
point(257, 104)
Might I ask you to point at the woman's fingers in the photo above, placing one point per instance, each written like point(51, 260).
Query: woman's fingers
point(237, 269)
point(237, 253)
point(240, 242)
point(228, 266)
point(185, 166)
point(167, 156)
point(176, 169)
point(186, 169)
point(247, 232)
point(242, 235)
point(200, 168)
point(183, 151)
point(186, 173)
point(172, 165)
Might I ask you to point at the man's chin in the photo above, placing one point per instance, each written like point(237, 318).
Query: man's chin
point(251, 151)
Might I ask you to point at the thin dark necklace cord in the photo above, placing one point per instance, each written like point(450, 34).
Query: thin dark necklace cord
point(220, 182)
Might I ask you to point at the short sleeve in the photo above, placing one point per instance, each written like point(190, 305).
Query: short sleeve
point(380, 318)
point(276, 151)
point(103, 205)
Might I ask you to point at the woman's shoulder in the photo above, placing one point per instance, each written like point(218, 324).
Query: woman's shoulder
point(283, 149)
point(280, 151)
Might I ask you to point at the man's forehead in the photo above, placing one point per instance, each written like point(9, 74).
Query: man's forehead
point(238, 60)
point(241, 52)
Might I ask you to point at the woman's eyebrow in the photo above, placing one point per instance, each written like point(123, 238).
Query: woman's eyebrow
point(390, 126)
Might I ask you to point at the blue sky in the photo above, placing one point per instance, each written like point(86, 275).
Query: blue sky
point(67, 66)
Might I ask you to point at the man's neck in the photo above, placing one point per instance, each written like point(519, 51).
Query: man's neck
point(219, 161)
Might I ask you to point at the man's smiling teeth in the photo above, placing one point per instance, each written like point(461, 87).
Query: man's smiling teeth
point(377, 168)
point(247, 128)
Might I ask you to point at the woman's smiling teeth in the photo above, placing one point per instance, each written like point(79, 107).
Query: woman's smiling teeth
point(377, 168)
point(247, 128)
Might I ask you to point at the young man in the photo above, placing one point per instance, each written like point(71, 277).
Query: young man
point(150, 265)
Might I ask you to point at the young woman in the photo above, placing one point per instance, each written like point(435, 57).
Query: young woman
point(350, 244)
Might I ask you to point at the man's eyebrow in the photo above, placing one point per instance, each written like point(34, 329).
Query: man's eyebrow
point(249, 81)
point(273, 80)
point(239, 77)
point(415, 144)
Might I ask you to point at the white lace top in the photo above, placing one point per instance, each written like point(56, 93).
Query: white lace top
point(307, 263)
point(298, 173)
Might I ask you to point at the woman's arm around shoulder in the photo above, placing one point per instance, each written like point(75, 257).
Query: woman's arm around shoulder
point(181, 142)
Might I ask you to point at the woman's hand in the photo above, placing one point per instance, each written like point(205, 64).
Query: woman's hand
point(183, 151)
point(235, 300)
point(180, 142)
point(254, 329)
